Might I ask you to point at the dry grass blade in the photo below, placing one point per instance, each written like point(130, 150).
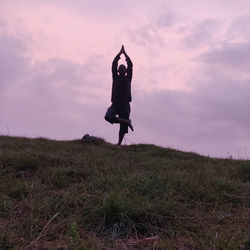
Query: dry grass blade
point(138, 242)
point(40, 234)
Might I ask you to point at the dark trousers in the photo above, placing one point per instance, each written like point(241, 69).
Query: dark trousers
point(120, 109)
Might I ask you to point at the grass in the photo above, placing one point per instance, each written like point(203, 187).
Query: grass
point(93, 195)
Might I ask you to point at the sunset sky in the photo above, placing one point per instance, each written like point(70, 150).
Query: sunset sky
point(191, 82)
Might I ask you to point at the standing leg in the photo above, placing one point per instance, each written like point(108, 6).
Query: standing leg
point(124, 120)
point(121, 136)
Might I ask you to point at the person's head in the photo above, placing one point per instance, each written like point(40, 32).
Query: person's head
point(122, 69)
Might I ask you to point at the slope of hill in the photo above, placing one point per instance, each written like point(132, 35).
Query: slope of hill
point(93, 195)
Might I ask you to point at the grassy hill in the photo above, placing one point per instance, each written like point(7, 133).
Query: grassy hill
point(93, 195)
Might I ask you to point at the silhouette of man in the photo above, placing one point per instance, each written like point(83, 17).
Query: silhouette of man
point(119, 111)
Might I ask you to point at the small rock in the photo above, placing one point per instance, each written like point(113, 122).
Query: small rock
point(92, 139)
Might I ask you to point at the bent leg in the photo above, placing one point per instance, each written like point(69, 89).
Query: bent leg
point(110, 115)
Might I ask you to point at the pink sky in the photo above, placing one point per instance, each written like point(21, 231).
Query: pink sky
point(191, 71)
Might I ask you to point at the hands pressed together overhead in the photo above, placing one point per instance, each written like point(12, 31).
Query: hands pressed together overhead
point(122, 51)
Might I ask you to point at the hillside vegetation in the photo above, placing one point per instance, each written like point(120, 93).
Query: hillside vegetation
point(94, 195)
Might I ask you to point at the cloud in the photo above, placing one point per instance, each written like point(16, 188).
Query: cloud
point(213, 122)
point(145, 34)
point(94, 9)
point(13, 65)
point(233, 54)
point(201, 33)
point(153, 33)
point(2, 23)
point(167, 20)
point(232, 59)
point(239, 28)
point(48, 98)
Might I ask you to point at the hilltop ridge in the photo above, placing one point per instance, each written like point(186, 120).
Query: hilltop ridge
point(90, 194)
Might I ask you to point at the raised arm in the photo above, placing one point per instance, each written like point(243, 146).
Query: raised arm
point(115, 63)
point(129, 62)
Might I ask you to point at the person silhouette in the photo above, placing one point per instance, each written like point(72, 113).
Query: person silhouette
point(119, 111)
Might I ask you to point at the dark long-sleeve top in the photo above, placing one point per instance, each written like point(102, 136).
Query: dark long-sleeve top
point(121, 87)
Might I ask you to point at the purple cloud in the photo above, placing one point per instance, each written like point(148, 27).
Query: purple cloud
point(201, 33)
point(13, 64)
point(167, 20)
point(233, 56)
point(239, 27)
point(56, 98)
